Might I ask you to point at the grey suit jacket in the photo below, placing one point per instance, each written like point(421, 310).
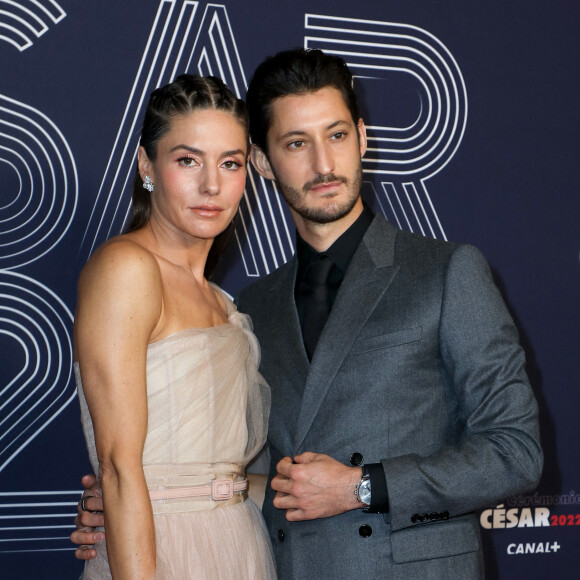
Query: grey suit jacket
point(419, 368)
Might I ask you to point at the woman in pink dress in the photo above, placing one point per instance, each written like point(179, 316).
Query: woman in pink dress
point(172, 404)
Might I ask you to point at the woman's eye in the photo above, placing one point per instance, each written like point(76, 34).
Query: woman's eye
point(231, 164)
point(187, 161)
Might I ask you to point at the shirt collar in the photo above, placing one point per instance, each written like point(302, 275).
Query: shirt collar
point(342, 250)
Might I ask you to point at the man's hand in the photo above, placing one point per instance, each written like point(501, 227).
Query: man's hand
point(314, 486)
point(86, 522)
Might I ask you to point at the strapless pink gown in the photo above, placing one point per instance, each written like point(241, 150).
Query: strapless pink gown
point(208, 416)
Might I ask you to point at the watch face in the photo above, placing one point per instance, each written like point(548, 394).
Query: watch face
point(364, 492)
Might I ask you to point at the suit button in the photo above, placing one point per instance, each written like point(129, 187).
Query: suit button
point(356, 459)
point(434, 516)
point(445, 515)
point(414, 518)
point(365, 531)
point(281, 535)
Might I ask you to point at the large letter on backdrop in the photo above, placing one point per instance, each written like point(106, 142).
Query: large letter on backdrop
point(401, 64)
point(40, 180)
point(22, 22)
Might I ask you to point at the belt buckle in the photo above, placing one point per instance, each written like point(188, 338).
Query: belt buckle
point(222, 489)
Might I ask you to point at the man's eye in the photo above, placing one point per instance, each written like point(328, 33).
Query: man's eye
point(339, 135)
point(296, 144)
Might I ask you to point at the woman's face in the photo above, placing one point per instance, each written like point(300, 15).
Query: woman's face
point(199, 174)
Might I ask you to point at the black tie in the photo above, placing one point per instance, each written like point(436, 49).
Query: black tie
point(317, 304)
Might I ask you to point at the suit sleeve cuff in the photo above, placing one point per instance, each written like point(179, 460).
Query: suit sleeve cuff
point(379, 496)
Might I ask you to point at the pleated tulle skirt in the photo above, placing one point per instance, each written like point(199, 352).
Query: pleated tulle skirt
point(226, 543)
point(230, 542)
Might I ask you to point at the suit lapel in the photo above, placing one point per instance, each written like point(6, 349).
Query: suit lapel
point(369, 275)
point(284, 305)
point(284, 336)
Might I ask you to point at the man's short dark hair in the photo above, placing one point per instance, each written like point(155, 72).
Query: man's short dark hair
point(294, 72)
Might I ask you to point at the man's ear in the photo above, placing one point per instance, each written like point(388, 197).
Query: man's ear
point(143, 163)
point(362, 137)
point(261, 163)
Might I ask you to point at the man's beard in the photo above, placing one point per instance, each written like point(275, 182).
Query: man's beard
point(331, 212)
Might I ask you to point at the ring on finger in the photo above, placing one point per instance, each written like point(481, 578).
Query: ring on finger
point(84, 505)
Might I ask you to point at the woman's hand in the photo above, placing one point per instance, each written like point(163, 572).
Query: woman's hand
point(89, 516)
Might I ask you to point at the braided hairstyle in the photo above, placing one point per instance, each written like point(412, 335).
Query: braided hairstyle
point(186, 94)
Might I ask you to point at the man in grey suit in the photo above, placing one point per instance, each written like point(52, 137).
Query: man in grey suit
point(414, 395)
point(400, 403)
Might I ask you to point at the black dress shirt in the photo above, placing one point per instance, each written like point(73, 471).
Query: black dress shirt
point(340, 253)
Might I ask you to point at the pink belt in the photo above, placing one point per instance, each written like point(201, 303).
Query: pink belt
point(218, 490)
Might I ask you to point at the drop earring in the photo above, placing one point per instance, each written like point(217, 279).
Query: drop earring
point(148, 184)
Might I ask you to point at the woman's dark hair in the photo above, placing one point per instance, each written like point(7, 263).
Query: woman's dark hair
point(186, 94)
point(294, 72)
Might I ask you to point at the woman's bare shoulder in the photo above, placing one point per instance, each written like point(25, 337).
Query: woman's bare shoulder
point(120, 261)
point(122, 252)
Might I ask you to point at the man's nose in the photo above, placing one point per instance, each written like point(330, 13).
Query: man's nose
point(323, 159)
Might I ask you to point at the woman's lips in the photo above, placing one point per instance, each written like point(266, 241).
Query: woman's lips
point(207, 210)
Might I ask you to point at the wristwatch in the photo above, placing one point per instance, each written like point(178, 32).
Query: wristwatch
point(362, 491)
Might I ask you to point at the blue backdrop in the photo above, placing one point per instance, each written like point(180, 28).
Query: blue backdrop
point(474, 128)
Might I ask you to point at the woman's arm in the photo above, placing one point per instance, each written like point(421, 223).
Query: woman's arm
point(119, 306)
